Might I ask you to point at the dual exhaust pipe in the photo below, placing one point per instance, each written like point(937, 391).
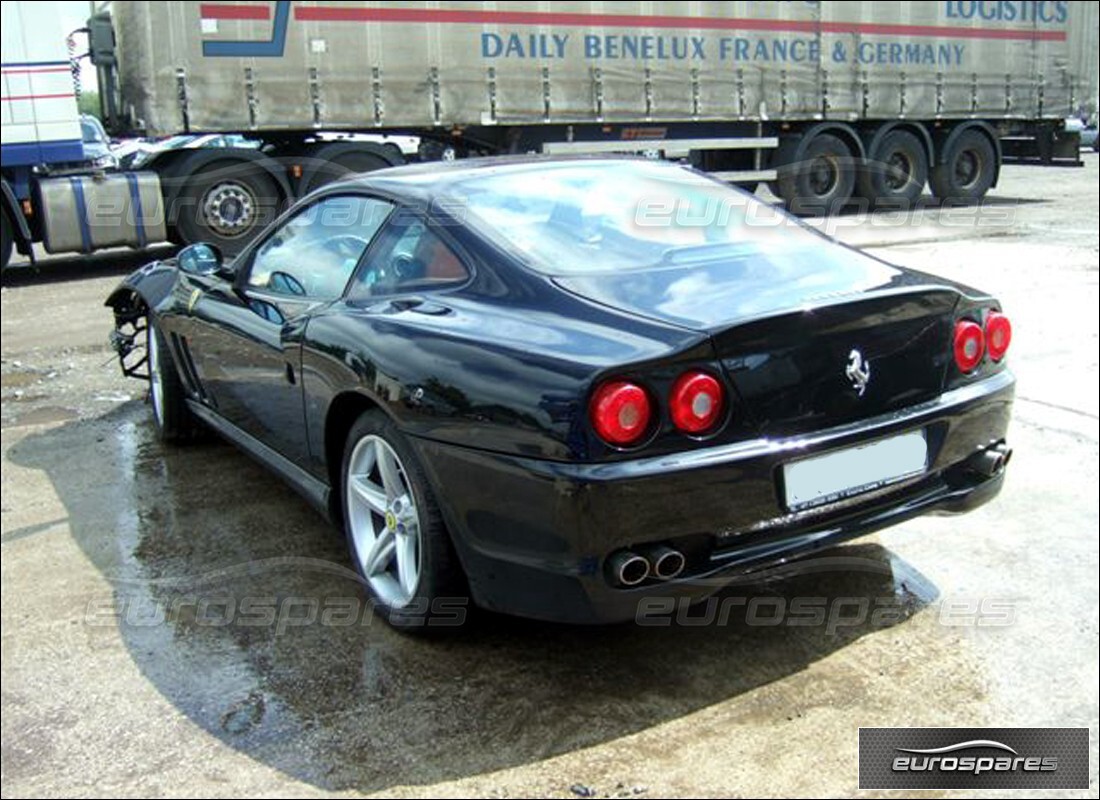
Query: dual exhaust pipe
point(631, 567)
point(993, 460)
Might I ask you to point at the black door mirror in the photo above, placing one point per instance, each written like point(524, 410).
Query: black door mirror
point(203, 259)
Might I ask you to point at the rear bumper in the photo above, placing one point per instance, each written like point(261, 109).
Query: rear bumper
point(534, 536)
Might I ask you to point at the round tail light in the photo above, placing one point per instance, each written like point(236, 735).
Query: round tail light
point(696, 402)
point(998, 335)
point(620, 412)
point(969, 345)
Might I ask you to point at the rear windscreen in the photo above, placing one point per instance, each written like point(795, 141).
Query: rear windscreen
point(607, 216)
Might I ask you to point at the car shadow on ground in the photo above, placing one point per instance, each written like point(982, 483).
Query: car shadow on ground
point(236, 601)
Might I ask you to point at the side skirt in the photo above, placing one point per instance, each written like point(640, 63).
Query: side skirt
point(317, 492)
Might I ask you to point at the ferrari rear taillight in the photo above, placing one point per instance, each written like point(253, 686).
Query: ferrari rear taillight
point(696, 402)
point(998, 335)
point(620, 412)
point(969, 345)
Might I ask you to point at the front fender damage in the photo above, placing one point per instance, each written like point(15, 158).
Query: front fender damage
point(128, 339)
point(131, 302)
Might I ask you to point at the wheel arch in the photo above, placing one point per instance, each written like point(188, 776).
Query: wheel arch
point(344, 409)
point(948, 138)
point(841, 130)
point(145, 290)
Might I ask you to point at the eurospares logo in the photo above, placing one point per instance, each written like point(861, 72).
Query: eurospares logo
point(973, 758)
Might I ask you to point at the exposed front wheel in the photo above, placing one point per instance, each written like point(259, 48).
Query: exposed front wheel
point(395, 532)
point(171, 416)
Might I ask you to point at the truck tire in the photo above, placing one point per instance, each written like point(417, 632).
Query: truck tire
point(349, 163)
point(895, 173)
point(821, 181)
point(8, 241)
point(966, 169)
point(226, 204)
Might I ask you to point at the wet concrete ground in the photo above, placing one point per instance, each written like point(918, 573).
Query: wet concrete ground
point(176, 622)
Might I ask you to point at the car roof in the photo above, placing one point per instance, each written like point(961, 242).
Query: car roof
point(427, 179)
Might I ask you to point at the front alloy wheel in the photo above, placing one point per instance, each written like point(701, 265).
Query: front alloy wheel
point(156, 376)
point(172, 418)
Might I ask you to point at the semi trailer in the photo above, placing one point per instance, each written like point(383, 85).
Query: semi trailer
point(824, 101)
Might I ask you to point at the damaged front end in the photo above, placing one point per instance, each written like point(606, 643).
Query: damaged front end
point(130, 337)
point(132, 302)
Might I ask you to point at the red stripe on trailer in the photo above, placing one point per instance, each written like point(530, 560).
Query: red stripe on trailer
point(486, 17)
point(229, 11)
point(10, 97)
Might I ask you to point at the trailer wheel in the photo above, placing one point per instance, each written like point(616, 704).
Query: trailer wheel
point(896, 171)
point(226, 204)
point(967, 168)
point(8, 240)
point(822, 180)
point(349, 163)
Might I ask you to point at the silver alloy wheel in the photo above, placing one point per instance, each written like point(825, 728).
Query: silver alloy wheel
point(383, 521)
point(156, 375)
point(229, 208)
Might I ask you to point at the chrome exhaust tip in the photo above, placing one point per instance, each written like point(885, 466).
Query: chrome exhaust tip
point(665, 562)
point(628, 568)
point(992, 461)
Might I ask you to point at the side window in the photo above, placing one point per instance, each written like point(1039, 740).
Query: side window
point(315, 252)
point(409, 257)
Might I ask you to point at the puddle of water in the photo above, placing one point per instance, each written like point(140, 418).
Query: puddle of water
point(239, 605)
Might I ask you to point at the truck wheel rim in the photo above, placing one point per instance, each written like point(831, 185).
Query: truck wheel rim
point(968, 166)
point(824, 175)
point(383, 521)
point(156, 378)
point(899, 172)
point(229, 208)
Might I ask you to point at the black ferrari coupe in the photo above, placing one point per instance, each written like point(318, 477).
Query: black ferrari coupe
point(561, 387)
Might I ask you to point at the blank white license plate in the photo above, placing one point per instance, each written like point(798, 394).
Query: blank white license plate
point(843, 473)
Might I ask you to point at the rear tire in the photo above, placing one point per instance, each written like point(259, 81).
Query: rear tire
point(967, 168)
point(171, 416)
point(896, 172)
point(822, 181)
point(395, 531)
point(226, 205)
